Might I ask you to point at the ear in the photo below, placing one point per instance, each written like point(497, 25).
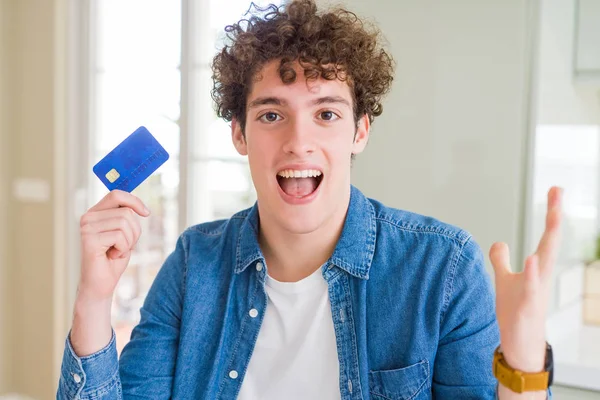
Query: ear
point(362, 134)
point(238, 139)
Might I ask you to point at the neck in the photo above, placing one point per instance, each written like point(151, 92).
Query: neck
point(291, 256)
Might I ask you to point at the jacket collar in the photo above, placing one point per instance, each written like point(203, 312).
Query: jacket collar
point(353, 252)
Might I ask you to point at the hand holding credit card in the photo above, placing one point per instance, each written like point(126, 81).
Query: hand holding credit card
point(131, 162)
point(110, 231)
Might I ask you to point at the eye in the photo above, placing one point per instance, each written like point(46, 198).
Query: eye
point(328, 116)
point(270, 117)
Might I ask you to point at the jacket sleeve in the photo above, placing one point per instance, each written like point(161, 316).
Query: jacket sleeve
point(94, 376)
point(469, 331)
point(147, 365)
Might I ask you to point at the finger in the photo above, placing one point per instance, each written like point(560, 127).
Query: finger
point(112, 224)
point(532, 272)
point(105, 240)
point(123, 212)
point(119, 198)
point(548, 246)
point(500, 258)
point(115, 254)
point(93, 216)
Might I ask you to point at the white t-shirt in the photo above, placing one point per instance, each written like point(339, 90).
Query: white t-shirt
point(295, 356)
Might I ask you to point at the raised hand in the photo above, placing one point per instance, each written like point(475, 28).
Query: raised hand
point(109, 232)
point(522, 298)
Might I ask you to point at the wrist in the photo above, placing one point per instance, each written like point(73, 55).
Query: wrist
point(505, 393)
point(89, 296)
point(519, 381)
point(530, 361)
point(91, 330)
point(85, 304)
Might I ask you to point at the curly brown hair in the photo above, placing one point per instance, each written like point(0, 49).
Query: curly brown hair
point(334, 45)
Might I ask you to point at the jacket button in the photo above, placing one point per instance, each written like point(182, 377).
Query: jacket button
point(76, 378)
point(253, 313)
point(259, 267)
point(233, 374)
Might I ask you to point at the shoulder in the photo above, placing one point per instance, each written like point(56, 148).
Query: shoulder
point(211, 234)
point(402, 222)
point(432, 250)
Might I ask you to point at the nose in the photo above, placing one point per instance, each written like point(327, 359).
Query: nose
point(298, 139)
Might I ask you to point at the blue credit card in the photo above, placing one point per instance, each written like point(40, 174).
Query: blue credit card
point(131, 162)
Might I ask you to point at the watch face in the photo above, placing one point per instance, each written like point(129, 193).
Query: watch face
point(549, 364)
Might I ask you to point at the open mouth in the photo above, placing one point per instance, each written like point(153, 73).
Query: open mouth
point(299, 183)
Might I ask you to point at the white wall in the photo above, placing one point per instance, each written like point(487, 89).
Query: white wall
point(451, 140)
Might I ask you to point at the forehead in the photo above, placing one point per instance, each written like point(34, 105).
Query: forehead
point(267, 82)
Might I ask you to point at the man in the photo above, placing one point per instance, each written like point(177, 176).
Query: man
point(316, 292)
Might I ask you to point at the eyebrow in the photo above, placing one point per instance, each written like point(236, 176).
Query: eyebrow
point(261, 101)
point(330, 99)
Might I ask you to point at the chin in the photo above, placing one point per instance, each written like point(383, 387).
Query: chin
point(300, 223)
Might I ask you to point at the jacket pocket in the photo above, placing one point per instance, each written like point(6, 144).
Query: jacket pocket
point(400, 384)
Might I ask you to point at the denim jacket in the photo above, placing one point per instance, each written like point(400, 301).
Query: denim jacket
point(412, 305)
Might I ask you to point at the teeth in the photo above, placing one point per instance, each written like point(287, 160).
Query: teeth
point(306, 173)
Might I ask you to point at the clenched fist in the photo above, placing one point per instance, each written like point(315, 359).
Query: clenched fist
point(109, 232)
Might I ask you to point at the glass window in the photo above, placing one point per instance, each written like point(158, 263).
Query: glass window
point(220, 183)
point(135, 79)
point(567, 156)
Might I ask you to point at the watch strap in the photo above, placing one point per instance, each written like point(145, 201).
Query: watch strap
point(516, 380)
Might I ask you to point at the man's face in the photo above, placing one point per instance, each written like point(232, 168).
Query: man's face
point(299, 139)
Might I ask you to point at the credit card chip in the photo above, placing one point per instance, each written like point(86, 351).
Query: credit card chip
point(112, 175)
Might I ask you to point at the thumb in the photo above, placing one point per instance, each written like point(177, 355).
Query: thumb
point(500, 258)
point(115, 254)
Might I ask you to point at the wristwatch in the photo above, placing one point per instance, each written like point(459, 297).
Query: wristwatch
point(519, 381)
